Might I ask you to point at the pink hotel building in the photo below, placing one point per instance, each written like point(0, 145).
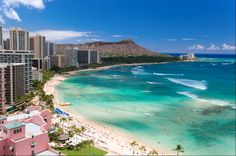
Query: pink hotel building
point(26, 133)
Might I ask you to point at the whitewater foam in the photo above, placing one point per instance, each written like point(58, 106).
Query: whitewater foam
point(146, 91)
point(202, 85)
point(229, 63)
point(167, 74)
point(149, 114)
point(153, 83)
point(214, 101)
point(138, 71)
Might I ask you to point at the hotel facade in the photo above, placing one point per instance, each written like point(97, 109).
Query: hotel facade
point(88, 57)
point(20, 56)
point(19, 39)
point(26, 133)
point(1, 38)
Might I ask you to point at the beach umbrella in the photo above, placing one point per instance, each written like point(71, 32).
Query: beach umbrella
point(63, 137)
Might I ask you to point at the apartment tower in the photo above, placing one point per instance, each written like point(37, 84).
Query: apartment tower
point(1, 38)
point(2, 87)
point(12, 56)
point(19, 39)
point(14, 76)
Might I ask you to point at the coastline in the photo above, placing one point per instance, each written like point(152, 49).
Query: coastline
point(118, 65)
point(105, 137)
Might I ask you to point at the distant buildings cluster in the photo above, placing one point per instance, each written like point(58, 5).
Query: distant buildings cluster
point(18, 55)
point(188, 57)
point(76, 57)
point(23, 57)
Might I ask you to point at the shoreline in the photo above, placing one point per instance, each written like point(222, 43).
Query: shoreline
point(111, 66)
point(114, 141)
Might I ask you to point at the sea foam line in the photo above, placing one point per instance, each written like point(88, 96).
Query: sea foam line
point(215, 102)
point(202, 85)
point(163, 74)
point(153, 83)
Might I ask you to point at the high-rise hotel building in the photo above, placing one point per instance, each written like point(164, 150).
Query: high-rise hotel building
point(20, 56)
point(1, 38)
point(12, 76)
point(50, 48)
point(2, 87)
point(38, 46)
point(19, 39)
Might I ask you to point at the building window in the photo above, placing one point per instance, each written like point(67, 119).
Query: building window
point(33, 144)
point(15, 131)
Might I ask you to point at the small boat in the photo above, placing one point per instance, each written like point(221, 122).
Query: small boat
point(65, 104)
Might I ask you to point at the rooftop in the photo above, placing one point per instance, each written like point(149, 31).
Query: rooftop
point(13, 125)
point(2, 118)
point(23, 115)
point(32, 129)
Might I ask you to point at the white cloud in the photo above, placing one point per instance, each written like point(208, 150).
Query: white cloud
point(37, 4)
point(213, 47)
point(60, 35)
point(228, 47)
point(12, 14)
point(196, 47)
point(8, 7)
point(188, 39)
point(117, 36)
point(172, 39)
point(88, 40)
point(2, 21)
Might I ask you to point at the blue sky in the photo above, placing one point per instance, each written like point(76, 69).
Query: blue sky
point(206, 26)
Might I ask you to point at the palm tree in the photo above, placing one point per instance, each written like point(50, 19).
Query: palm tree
point(179, 148)
point(83, 129)
point(153, 153)
point(63, 120)
point(142, 149)
point(133, 145)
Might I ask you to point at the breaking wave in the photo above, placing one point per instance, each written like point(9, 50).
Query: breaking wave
point(202, 85)
point(138, 71)
point(153, 83)
point(167, 74)
point(215, 102)
point(146, 91)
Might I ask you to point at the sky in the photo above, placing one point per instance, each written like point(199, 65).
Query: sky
point(203, 26)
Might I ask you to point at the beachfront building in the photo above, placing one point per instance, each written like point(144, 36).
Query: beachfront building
point(26, 133)
point(6, 44)
point(88, 57)
point(37, 75)
point(19, 39)
point(58, 60)
point(2, 87)
point(14, 76)
point(38, 46)
point(189, 57)
point(1, 38)
point(71, 57)
point(50, 48)
point(20, 56)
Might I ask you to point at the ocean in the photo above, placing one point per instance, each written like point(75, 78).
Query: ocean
point(187, 103)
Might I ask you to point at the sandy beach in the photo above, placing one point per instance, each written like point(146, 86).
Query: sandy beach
point(105, 137)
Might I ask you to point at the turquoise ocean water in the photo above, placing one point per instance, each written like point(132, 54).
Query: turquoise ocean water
point(187, 103)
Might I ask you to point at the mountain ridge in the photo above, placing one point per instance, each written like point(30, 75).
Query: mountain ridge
point(120, 48)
